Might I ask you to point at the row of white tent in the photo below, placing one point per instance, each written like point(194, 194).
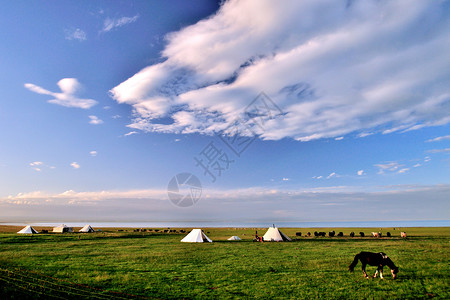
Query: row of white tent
point(273, 234)
point(58, 229)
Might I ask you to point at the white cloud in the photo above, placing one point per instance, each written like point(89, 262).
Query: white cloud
point(390, 166)
point(286, 179)
point(69, 88)
point(333, 67)
point(404, 170)
point(339, 138)
point(109, 24)
point(332, 175)
point(440, 138)
point(130, 133)
point(360, 172)
point(93, 153)
point(36, 163)
point(75, 165)
point(76, 34)
point(94, 120)
point(446, 150)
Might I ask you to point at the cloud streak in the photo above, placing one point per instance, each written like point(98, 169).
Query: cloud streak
point(334, 68)
point(110, 24)
point(69, 88)
point(355, 203)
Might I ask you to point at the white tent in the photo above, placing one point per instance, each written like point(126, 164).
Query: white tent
point(87, 228)
point(28, 230)
point(196, 236)
point(234, 238)
point(62, 228)
point(273, 234)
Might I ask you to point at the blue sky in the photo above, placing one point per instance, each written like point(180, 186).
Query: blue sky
point(102, 103)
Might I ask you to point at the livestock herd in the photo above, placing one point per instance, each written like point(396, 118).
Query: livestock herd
point(352, 234)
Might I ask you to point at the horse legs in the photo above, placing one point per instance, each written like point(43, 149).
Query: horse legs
point(379, 269)
point(364, 270)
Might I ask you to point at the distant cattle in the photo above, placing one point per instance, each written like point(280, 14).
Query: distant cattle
point(331, 233)
point(388, 234)
point(298, 234)
point(403, 234)
point(376, 234)
point(340, 234)
point(322, 234)
point(361, 234)
point(352, 234)
point(308, 233)
point(316, 233)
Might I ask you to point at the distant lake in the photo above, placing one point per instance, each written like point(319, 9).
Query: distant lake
point(371, 224)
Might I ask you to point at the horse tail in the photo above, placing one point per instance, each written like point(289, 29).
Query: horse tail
point(354, 263)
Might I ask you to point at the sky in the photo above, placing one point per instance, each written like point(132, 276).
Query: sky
point(310, 111)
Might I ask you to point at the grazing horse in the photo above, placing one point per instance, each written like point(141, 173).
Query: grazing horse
point(374, 259)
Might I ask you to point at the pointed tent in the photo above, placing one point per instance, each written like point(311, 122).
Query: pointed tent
point(28, 230)
point(196, 236)
point(234, 238)
point(273, 234)
point(62, 228)
point(86, 229)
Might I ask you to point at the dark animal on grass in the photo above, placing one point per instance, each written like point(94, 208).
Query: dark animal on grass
point(308, 233)
point(361, 234)
point(388, 234)
point(316, 233)
point(340, 234)
point(331, 233)
point(352, 234)
point(374, 259)
point(298, 234)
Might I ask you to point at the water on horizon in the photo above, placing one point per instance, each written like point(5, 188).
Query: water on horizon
point(187, 224)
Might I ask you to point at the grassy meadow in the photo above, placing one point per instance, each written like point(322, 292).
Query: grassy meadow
point(132, 265)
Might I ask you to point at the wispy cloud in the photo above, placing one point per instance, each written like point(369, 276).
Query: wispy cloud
point(109, 24)
point(446, 150)
point(440, 138)
point(130, 133)
point(332, 175)
point(360, 172)
point(383, 78)
point(39, 165)
point(75, 165)
point(390, 166)
point(76, 34)
point(140, 204)
point(93, 153)
point(94, 120)
point(69, 88)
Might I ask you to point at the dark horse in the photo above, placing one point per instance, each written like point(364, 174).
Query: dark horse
point(374, 259)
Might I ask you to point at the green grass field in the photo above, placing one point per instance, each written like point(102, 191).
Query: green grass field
point(127, 264)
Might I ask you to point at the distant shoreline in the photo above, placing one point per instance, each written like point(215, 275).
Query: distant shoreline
point(212, 224)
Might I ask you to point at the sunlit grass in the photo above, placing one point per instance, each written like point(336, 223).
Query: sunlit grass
point(158, 265)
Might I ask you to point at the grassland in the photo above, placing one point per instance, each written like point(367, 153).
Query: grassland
point(127, 264)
